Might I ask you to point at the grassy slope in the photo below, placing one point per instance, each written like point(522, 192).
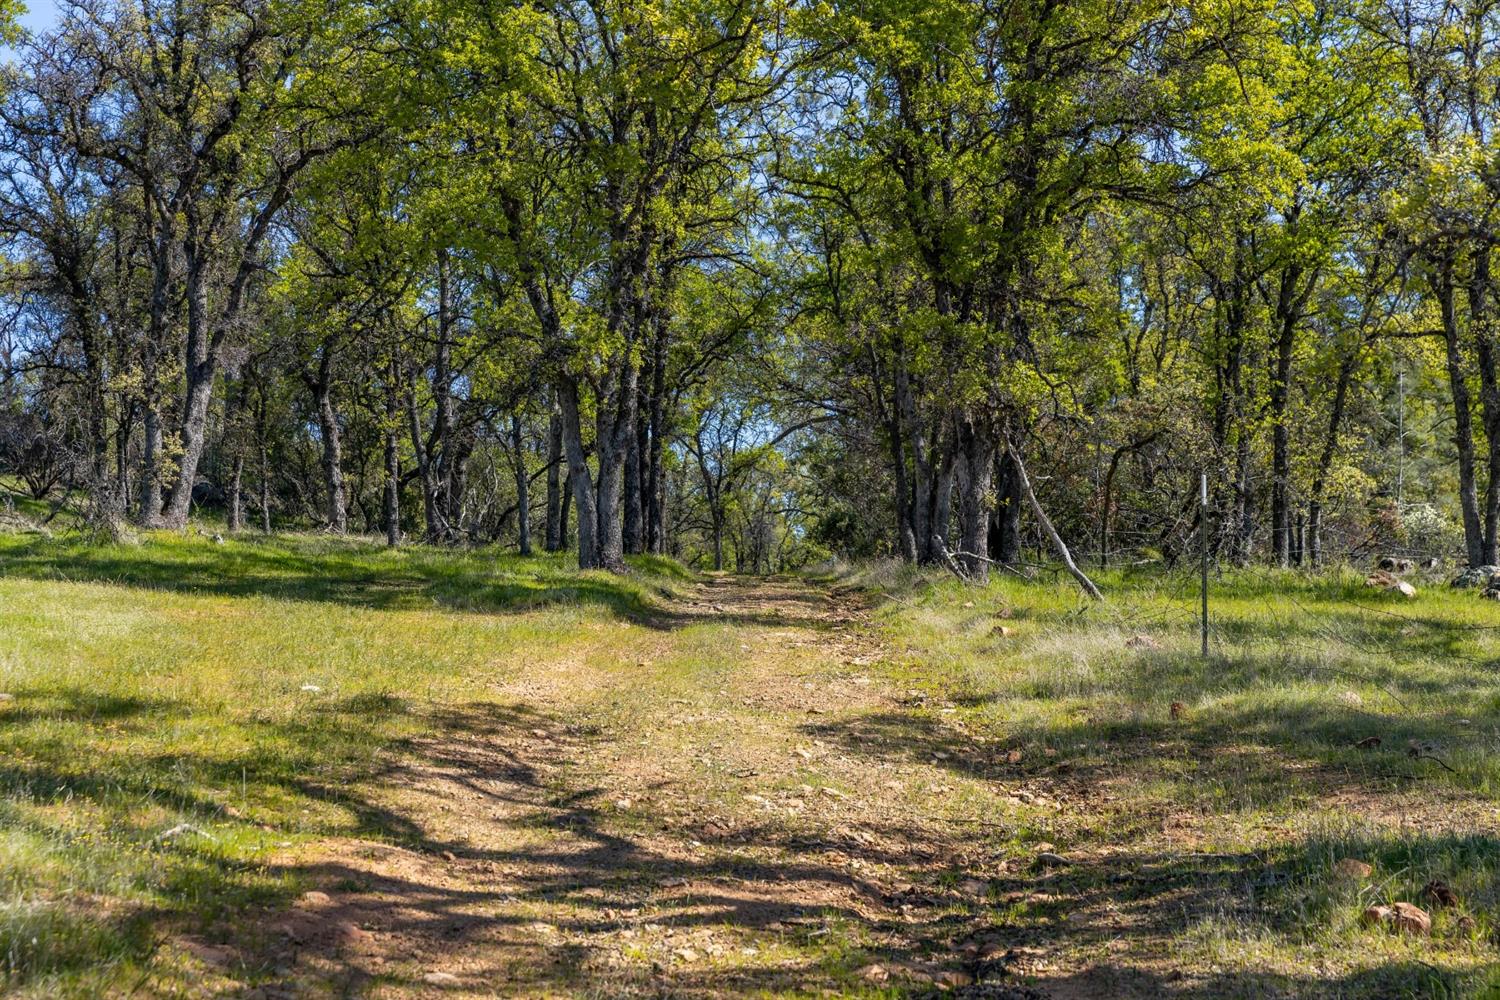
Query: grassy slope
point(1214, 834)
point(163, 684)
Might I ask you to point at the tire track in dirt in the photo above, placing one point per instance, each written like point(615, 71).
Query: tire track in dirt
point(738, 838)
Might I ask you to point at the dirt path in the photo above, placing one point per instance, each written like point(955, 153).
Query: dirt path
point(733, 810)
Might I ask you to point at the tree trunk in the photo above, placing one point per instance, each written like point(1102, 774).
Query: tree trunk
point(632, 534)
point(611, 439)
point(1463, 430)
point(1489, 397)
point(1245, 497)
point(200, 367)
point(440, 447)
point(124, 430)
point(554, 536)
point(906, 534)
point(976, 463)
point(941, 521)
point(149, 514)
point(456, 469)
point(392, 510)
point(1006, 533)
point(924, 485)
point(656, 537)
point(236, 495)
point(431, 508)
point(1289, 303)
point(1314, 542)
point(333, 448)
point(523, 491)
point(607, 489)
point(265, 488)
point(581, 483)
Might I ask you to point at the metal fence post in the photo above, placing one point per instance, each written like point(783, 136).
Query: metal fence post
point(1203, 536)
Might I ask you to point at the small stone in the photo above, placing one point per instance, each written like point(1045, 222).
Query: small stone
point(1405, 918)
point(974, 887)
point(216, 956)
point(1352, 868)
point(443, 980)
point(349, 933)
point(874, 973)
point(951, 979)
point(1410, 919)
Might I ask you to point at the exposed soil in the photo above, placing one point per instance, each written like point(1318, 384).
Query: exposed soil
point(551, 844)
point(787, 824)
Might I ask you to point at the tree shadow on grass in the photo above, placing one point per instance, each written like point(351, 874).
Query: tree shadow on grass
point(114, 832)
point(601, 879)
point(365, 575)
point(1237, 758)
point(406, 890)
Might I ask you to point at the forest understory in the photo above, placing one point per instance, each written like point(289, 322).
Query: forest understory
point(306, 767)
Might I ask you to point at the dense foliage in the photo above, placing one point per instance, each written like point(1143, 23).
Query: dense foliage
point(753, 281)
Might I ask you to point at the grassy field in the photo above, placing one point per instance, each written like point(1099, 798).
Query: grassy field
point(311, 767)
point(1208, 803)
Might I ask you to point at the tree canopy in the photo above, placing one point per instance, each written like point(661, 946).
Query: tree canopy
point(756, 282)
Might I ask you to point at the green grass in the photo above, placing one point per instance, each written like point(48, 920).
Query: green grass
point(1237, 810)
point(259, 697)
point(246, 689)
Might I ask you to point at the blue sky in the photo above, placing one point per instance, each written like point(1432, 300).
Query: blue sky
point(39, 14)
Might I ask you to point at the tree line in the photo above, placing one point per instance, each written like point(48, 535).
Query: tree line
point(752, 282)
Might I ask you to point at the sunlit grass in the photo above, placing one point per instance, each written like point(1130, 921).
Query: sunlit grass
point(180, 711)
point(1261, 758)
point(177, 710)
